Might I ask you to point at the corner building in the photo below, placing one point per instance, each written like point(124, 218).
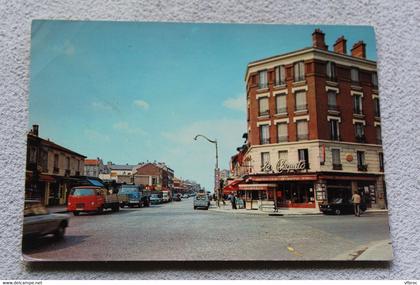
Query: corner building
point(314, 129)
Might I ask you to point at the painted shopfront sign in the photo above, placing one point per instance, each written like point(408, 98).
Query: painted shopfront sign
point(283, 166)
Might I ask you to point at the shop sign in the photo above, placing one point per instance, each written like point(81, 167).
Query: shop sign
point(283, 166)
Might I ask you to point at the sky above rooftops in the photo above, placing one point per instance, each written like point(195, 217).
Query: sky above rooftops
point(129, 92)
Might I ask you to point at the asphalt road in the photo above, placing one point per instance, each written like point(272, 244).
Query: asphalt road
point(175, 231)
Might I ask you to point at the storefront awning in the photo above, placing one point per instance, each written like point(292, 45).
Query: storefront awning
point(281, 177)
point(257, 187)
point(46, 178)
point(232, 186)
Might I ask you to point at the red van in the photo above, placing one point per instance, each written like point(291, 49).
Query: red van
point(91, 199)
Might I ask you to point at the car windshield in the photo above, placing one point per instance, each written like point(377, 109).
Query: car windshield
point(154, 196)
point(337, 201)
point(82, 192)
point(127, 190)
point(201, 197)
point(36, 209)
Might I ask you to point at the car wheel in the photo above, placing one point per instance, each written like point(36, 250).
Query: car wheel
point(59, 233)
point(337, 212)
point(195, 208)
point(76, 213)
point(121, 206)
point(207, 208)
point(100, 210)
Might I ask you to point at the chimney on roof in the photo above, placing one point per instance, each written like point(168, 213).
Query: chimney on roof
point(35, 130)
point(359, 50)
point(318, 40)
point(340, 45)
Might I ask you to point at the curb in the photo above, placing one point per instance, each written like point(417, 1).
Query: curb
point(271, 214)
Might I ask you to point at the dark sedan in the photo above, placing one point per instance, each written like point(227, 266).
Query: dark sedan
point(337, 206)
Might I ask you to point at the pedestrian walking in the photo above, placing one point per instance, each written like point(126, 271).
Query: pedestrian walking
point(356, 203)
point(233, 201)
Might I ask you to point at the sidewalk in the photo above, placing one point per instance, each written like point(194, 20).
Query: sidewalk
point(374, 251)
point(57, 209)
point(281, 212)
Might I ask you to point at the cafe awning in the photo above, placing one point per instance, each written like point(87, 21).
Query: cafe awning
point(232, 186)
point(257, 187)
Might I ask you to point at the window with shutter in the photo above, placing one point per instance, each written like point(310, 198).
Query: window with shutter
point(281, 102)
point(282, 135)
point(302, 129)
point(263, 106)
point(301, 101)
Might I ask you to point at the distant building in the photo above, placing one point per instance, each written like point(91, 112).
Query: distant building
point(156, 176)
point(120, 173)
point(49, 169)
point(224, 174)
point(94, 167)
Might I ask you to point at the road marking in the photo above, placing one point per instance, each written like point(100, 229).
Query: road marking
point(293, 251)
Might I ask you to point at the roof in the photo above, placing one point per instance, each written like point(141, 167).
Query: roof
point(304, 51)
point(55, 146)
point(91, 162)
point(121, 167)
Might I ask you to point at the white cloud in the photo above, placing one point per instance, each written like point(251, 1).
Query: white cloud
point(94, 135)
point(101, 106)
point(236, 103)
point(141, 104)
point(125, 127)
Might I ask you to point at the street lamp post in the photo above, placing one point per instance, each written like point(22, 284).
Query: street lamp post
point(216, 170)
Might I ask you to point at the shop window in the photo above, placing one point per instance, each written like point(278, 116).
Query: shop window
point(304, 155)
point(298, 193)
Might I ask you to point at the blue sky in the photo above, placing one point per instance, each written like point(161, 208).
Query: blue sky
point(130, 92)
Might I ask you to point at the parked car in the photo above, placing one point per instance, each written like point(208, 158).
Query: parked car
point(185, 196)
point(155, 199)
point(91, 199)
point(339, 206)
point(166, 196)
point(38, 222)
point(201, 201)
point(135, 196)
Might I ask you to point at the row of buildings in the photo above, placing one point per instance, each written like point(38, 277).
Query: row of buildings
point(314, 128)
point(52, 170)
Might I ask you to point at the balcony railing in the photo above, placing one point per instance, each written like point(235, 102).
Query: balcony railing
point(282, 139)
point(362, 167)
point(264, 113)
point(265, 141)
point(67, 172)
point(279, 82)
point(302, 107)
point(333, 108)
point(335, 137)
point(281, 110)
point(302, 137)
point(357, 111)
point(263, 85)
point(337, 166)
point(361, 138)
